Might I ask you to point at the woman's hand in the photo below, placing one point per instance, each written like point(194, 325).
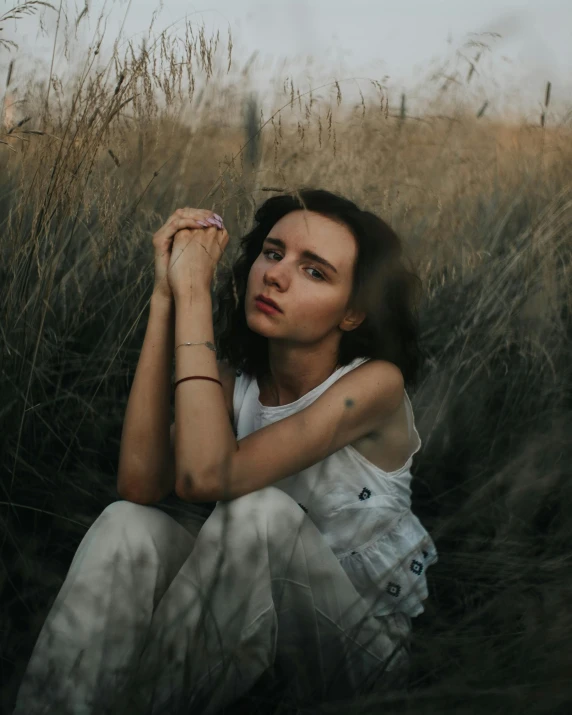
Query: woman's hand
point(194, 257)
point(186, 218)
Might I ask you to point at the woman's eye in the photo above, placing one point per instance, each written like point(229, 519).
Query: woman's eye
point(318, 277)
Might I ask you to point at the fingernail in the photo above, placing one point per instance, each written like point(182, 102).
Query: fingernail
point(219, 217)
point(206, 225)
point(215, 222)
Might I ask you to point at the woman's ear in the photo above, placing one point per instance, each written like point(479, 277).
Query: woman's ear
point(352, 320)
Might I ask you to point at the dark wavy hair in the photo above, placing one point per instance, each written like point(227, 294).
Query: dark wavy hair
point(383, 287)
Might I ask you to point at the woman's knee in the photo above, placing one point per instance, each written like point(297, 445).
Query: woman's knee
point(123, 508)
point(269, 509)
point(269, 500)
point(122, 513)
point(134, 532)
point(127, 521)
point(127, 509)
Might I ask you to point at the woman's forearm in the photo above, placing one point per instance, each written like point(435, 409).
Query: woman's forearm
point(145, 474)
point(204, 439)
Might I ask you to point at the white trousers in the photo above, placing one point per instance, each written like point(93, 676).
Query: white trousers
point(187, 617)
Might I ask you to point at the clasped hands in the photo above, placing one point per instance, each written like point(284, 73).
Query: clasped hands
point(187, 250)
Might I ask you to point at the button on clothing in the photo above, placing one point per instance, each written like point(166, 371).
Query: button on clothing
point(363, 512)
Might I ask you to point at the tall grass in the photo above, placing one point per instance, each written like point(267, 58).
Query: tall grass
point(90, 170)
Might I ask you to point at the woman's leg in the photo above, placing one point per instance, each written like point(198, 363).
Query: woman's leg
point(96, 628)
point(260, 588)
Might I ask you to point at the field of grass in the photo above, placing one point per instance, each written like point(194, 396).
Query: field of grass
point(89, 170)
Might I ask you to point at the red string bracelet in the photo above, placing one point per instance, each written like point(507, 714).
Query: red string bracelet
point(196, 377)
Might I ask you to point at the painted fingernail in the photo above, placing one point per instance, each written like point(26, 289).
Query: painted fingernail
point(219, 217)
point(214, 222)
point(202, 223)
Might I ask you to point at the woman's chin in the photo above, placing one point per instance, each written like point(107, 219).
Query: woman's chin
point(257, 325)
point(261, 323)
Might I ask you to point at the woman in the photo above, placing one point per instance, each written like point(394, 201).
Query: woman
point(311, 565)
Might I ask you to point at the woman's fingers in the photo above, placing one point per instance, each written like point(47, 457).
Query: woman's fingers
point(175, 224)
point(166, 231)
point(184, 235)
point(202, 215)
point(185, 218)
point(222, 239)
point(190, 223)
point(199, 214)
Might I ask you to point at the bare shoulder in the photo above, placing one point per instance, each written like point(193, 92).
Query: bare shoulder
point(376, 375)
point(368, 395)
point(378, 385)
point(382, 367)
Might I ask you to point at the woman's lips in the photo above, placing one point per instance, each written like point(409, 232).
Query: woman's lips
point(266, 307)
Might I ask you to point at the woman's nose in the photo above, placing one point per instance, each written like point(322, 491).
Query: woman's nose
point(275, 274)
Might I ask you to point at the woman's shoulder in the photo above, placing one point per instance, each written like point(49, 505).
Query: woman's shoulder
point(365, 372)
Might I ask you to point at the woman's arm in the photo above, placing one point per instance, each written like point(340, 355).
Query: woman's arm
point(358, 403)
point(204, 436)
point(145, 473)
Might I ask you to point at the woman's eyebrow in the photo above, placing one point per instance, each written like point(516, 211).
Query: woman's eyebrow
point(306, 254)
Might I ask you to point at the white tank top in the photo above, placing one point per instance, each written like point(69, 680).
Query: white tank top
point(363, 512)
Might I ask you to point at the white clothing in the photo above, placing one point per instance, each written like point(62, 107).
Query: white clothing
point(141, 583)
point(318, 577)
point(363, 512)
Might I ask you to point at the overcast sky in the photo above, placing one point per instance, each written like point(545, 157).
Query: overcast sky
point(402, 39)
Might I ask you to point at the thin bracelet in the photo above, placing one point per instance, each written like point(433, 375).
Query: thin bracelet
point(209, 345)
point(196, 377)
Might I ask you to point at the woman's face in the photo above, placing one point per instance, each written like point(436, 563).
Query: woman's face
point(312, 297)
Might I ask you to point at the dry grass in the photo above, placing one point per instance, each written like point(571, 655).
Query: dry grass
point(486, 209)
